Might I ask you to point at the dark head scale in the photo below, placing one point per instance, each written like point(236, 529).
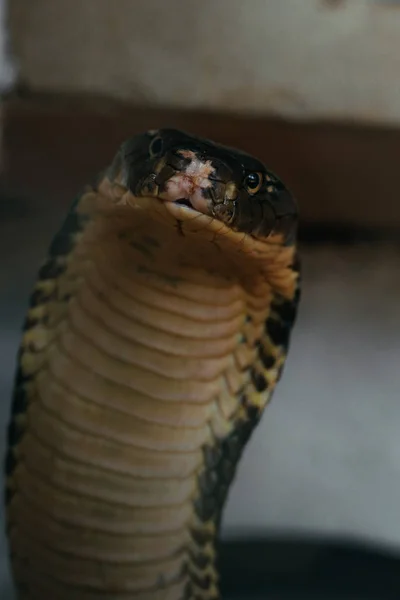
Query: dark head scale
point(220, 181)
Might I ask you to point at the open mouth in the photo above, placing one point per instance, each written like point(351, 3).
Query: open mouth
point(184, 202)
point(194, 199)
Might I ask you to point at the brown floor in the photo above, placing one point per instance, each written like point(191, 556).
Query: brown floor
point(341, 174)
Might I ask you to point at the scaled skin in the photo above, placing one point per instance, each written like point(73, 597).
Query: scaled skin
point(157, 331)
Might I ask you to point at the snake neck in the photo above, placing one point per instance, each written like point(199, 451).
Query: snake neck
point(151, 384)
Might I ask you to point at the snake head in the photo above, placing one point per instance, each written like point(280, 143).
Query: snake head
point(225, 183)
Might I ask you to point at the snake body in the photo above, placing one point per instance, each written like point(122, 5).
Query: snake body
point(157, 330)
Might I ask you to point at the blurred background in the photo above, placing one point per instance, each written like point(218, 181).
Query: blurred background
point(313, 88)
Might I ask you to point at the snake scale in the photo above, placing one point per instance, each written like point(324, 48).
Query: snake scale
point(157, 330)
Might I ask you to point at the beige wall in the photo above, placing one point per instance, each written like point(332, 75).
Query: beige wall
point(302, 58)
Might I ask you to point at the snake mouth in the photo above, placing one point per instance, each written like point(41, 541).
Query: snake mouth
point(184, 198)
point(183, 202)
point(182, 179)
point(193, 191)
point(184, 192)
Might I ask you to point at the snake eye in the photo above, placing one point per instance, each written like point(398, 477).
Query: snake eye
point(253, 182)
point(156, 146)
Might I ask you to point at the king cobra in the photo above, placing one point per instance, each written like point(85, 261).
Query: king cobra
point(156, 333)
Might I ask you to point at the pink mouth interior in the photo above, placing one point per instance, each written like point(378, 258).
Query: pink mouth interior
point(182, 188)
point(188, 187)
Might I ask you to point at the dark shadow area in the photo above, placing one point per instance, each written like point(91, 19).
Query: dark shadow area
point(308, 570)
